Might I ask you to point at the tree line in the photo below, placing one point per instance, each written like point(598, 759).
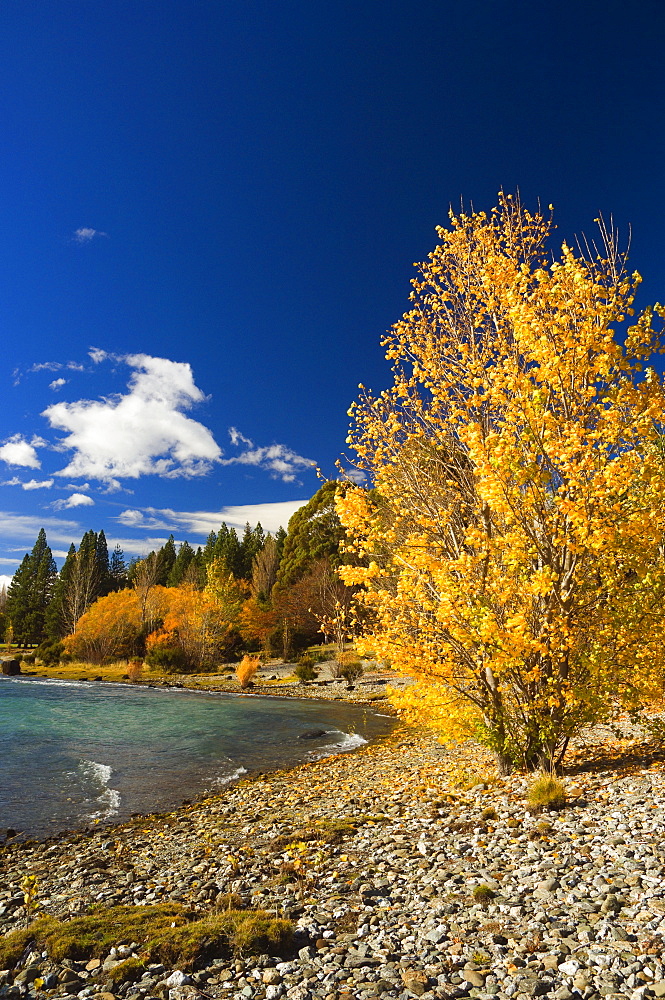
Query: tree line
point(182, 607)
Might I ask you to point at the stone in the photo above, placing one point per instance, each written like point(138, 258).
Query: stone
point(11, 667)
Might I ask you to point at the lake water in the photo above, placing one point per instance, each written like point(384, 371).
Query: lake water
point(72, 753)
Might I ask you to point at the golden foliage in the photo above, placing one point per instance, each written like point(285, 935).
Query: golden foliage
point(514, 534)
point(246, 670)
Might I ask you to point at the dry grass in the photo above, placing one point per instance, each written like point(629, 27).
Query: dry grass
point(546, 792)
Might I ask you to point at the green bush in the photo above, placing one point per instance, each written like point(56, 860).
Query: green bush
point(18, 657)
point(305, 671)
point(351, 671)
point(29, 658)
point(50, 652)
point(168, 659)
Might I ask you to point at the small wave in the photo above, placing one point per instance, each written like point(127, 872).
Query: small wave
point(225, 779)
point(108, 801)
point(348, 741)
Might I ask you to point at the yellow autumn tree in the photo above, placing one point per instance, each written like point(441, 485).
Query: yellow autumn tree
point(513, 524)
point(198, 623)
point(108, 630)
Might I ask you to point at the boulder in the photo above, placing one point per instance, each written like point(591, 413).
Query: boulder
point(312, 734)
point(11, 667)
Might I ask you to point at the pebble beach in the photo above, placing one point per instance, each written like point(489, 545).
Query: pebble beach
point(408, 869)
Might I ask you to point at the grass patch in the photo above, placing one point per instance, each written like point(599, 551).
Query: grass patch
point(483, 894)
point(546, 792)
point(165, 932)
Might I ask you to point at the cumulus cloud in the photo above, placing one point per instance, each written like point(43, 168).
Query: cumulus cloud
point(84, 234)
point(97, 355)
point(74, 500)
point(238, 438)
point(144, 431)
point(17, 451)
point(33, 484)
point(14, 481)
point(57, 383)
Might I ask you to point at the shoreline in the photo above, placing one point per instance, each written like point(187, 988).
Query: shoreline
point(293, 692)
point(431, 878)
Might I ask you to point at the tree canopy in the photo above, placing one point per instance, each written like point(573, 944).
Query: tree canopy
point(515, 526)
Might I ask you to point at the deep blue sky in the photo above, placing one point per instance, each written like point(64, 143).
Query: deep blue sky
point(250, 183)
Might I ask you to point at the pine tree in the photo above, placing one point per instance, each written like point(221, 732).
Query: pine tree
point(30, 592)
point(166, 558)
point(103, 566)
point(56, 627)
point(179, 571)
point(118, 569)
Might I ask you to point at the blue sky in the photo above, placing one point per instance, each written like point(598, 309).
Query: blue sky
point(210, 211)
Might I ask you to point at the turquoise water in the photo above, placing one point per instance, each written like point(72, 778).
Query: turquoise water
point(72, 753)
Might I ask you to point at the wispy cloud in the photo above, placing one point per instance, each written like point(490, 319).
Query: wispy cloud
point(142, 432)
point(17, 451)
point(84, 234)
point(57, 383)
point(74, 500)
point(278, 459)
point(202, 522)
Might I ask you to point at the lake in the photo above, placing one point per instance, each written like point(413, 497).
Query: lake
point(72, 753)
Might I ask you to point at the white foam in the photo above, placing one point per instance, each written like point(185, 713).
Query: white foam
point(231, 777)
point(108, 800)
point(349, 741)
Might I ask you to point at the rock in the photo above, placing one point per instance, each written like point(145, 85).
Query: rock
point(178, 978)
point(11, 667)
point(312, 734)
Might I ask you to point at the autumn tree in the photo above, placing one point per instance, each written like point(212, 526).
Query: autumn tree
point(109, 629)
point(513, 518)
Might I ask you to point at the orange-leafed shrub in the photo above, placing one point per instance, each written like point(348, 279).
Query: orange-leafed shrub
point(108, 630)
point(246, 670)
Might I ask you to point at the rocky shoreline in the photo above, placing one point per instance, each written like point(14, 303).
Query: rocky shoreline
point(399, 882)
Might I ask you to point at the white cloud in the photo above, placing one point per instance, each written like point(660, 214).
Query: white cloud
point(237, 437)
point(33, 484)
point(75, 500)
point(19, 528)
point(85, 234)
point(77, 486)
point(45, 366)
point(14, 481)
point(277, 459)
point(97, 355)
point(57, 383)
point(138, 519)
point(17, 451)
point(140, 433)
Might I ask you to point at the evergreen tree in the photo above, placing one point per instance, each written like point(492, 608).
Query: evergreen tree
point(118, 569)
point(30, 592)
point(314, 532)
point(56, 627)
point(208, 552)
point(253, 540)
point(227, 549)
point(180, 569)
point(103, 566)
point(166, 558)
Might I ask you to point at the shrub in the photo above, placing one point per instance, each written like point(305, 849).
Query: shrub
point(246, 670)
point(50, 652)
point(489, 813)
point(167, 658)
point(18, 657)
point(351, 671)
point(134, 670)
point(305, 671)
point(29, 658)
point(546, 792)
